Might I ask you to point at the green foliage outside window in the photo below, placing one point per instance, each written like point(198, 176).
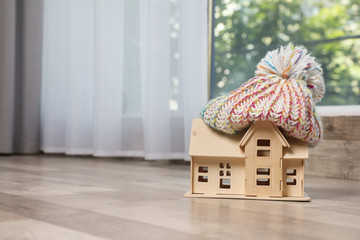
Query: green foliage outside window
point(244, 30)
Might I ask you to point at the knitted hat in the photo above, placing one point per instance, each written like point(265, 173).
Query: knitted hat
point(288, 83)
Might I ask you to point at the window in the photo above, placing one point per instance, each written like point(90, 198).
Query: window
point(263, 171)
point(263, 142)
point(263, 182)
point(329, 29)
point(203, 170)
point(263, 176)
point(203, 179)
point(225, 183)
point(291, 172)
point(225, 179)
point(263, 153)
point(290, 181)
point(222, 165)
point(291, 176)
point(263, 147)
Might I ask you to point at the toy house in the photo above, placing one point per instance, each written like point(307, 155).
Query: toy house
point(257, 163)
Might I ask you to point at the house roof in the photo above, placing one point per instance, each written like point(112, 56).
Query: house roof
point(298, 149)
point(269, 124)
point(205, 141)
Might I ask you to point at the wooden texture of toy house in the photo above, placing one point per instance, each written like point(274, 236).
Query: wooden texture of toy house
point(259, 163)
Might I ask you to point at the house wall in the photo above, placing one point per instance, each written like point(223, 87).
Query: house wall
point(293, 177)
point(218, 175)
point(254, 162)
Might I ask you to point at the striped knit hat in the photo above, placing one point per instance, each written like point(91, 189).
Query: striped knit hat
point(288, 83)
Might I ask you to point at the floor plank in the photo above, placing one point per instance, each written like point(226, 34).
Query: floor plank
point(56, 197)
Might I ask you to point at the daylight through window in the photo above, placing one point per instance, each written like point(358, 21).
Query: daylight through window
point(245, 30)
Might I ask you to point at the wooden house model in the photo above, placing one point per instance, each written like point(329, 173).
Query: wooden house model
point(259, 163)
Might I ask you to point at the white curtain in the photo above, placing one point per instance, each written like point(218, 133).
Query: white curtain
point(123, 77)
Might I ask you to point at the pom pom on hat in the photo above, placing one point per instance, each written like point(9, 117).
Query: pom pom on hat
point(294, 63)
point(288, 83)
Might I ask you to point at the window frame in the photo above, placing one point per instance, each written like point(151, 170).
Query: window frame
point(326, 111)
point(263, 148)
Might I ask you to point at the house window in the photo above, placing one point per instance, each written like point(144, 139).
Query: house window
point(291, 176)
point(263, 142)
point(291, 172)
point(203, 179)
point(203, 170)
point(263, 176)
point(291, 181)
point(225, 165)
point(225, 183)
point(263, 148)
point(263, 171)
point(263, 153)
point(263, 182)
point(225, 175)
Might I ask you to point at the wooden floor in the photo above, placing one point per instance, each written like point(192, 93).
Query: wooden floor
point(54, 197)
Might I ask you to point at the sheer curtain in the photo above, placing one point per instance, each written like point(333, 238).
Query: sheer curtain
point(123, 77)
